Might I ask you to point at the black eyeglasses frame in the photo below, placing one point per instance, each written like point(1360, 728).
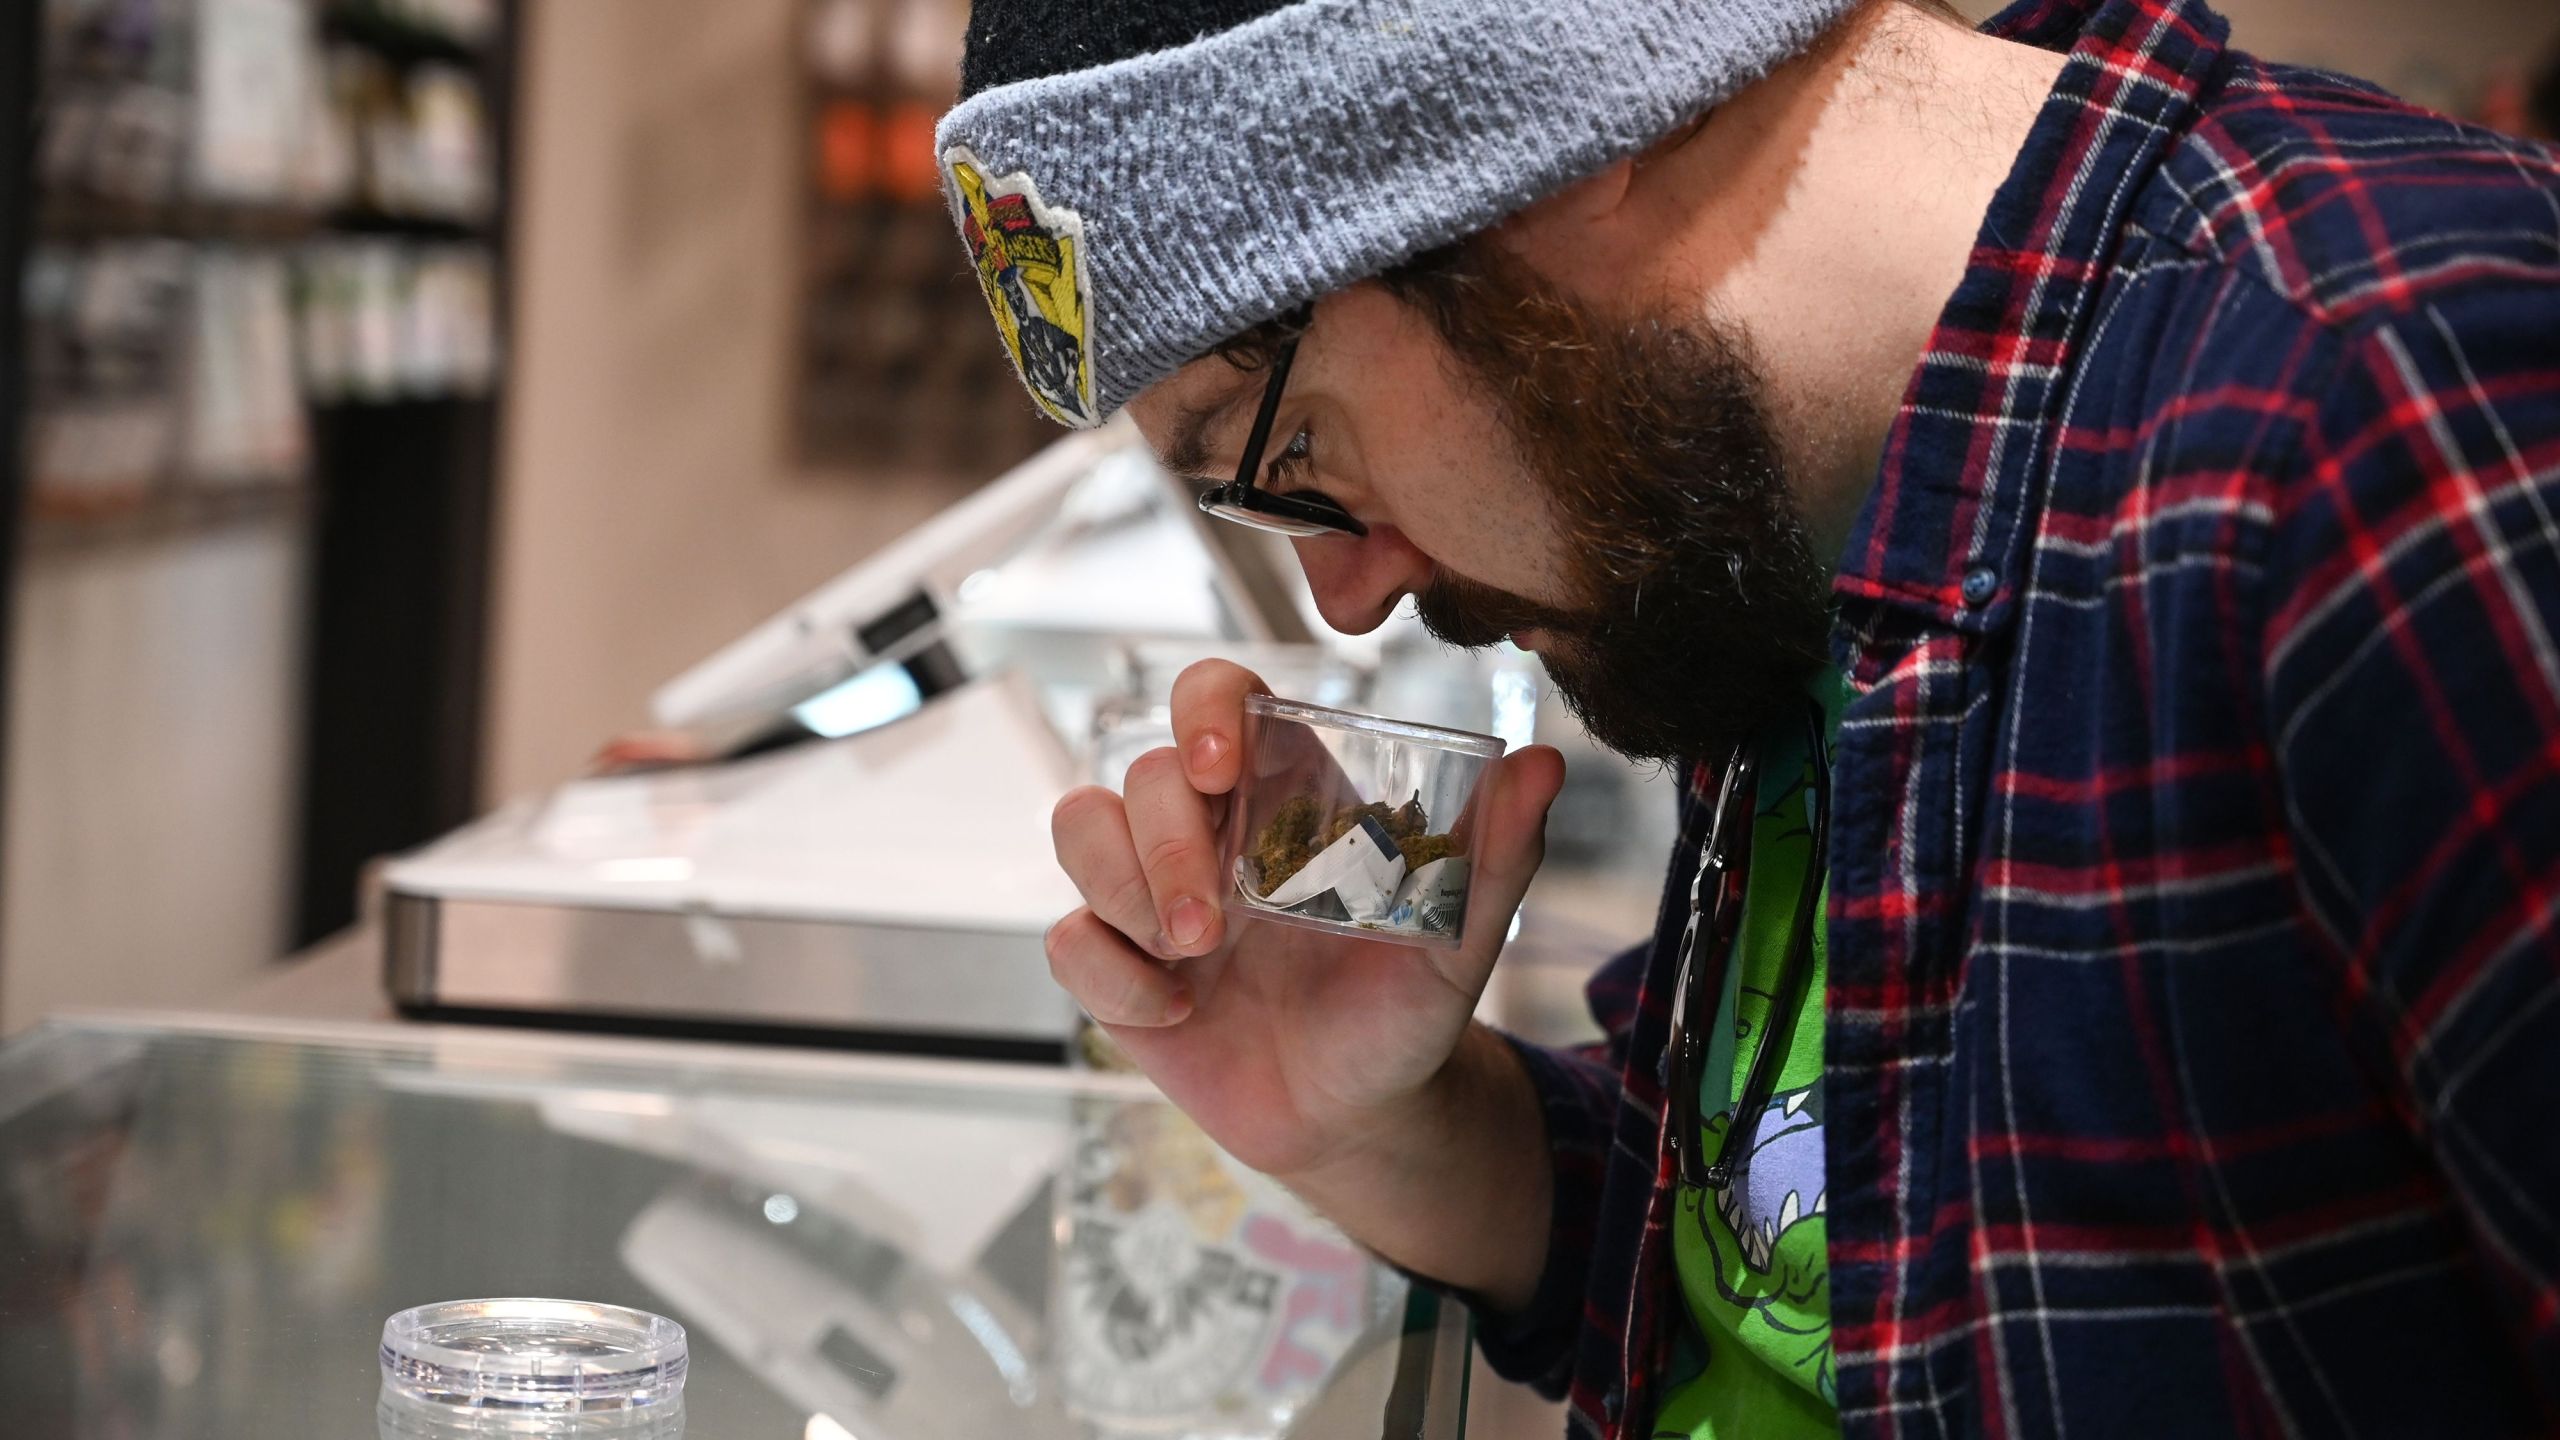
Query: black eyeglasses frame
point(1245, 503)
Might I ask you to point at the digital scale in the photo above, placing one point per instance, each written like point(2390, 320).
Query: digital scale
point(874, 862)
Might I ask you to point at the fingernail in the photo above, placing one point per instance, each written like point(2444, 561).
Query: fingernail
point(1206, 752)
point(1178, 1009)
point(1187, 922)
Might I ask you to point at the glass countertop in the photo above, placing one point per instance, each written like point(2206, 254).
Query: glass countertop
point(202, 1232)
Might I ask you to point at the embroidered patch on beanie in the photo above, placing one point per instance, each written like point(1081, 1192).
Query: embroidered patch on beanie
point(1030, 259)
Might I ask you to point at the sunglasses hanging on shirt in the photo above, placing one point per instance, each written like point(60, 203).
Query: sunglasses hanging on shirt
point(1707, 946)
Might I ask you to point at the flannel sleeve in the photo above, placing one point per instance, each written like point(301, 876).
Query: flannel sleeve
point(2412, 684)
point(1578, 1098)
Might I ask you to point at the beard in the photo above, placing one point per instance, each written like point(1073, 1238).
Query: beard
point(1702, 613)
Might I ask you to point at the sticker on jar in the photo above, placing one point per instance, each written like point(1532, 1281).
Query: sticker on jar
point(1433, 898)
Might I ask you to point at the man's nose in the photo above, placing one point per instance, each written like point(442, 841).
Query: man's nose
point(1358, 580)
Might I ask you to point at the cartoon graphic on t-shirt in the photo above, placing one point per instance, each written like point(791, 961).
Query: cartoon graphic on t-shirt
point(1753, 1256)
point(1768, 1234)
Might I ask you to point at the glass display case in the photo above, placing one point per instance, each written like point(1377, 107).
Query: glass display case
point(206, 1231)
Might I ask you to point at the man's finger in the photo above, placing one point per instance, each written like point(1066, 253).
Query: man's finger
point(1108, 977)
point(1521, 788)
point(1177, 846)
point(1208, 722)
point(1090, 828)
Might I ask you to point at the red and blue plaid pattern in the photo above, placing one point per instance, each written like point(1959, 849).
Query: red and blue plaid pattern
point(2194, 1012)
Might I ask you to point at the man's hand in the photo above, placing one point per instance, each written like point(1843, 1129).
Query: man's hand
point(1334, 1064)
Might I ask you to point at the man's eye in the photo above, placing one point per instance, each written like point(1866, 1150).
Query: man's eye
point(1293, 458)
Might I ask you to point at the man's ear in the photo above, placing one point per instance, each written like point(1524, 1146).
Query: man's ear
point(1586, 202)
point(1576, 228)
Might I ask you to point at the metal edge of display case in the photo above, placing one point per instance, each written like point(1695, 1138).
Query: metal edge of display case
point(1430, 1341)
point(703, 975)
point(408, 947)
point(518, 1045)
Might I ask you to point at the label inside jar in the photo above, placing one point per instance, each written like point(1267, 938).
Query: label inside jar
point(1359, 873)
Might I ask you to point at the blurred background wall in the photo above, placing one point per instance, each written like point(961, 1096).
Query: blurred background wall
point(156, 685)
point(652, 506)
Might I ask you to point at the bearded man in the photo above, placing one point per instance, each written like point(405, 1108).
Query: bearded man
point(2080, 504)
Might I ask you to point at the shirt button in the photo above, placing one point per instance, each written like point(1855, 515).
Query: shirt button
point(1980, 584)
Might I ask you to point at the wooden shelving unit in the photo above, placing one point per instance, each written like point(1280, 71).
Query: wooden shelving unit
point(56, 526)
point(399, 41)
point(392, 505)
point(398, 641)
point(74, 220)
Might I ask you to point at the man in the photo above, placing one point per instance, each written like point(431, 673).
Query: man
point(2081, 504)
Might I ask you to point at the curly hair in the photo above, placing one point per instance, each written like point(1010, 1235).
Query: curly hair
point(2544, 103)
point(1259, 346)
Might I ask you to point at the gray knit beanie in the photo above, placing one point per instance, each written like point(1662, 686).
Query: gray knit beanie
point(1139, 180)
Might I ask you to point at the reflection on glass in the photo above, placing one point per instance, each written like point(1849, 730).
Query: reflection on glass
point(205, 1236)
point(1197, 1296)
point(398, 1416)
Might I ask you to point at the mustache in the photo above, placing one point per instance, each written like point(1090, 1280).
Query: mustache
point(1471, 615)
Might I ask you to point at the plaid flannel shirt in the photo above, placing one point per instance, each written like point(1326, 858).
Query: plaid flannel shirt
point(2193, 1057)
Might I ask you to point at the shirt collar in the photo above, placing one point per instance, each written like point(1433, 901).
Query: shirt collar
point(1940, 533)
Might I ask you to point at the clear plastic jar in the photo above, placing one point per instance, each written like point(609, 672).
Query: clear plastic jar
point(1355, 824)
point(532, 1357)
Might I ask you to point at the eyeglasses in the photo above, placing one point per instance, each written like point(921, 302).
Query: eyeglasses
point(1724, 863)
point(1298, 516)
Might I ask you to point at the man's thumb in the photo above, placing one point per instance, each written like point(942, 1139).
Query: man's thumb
point(1514, 841)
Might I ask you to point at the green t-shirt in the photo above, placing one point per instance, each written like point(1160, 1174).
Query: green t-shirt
point(1757, 1363)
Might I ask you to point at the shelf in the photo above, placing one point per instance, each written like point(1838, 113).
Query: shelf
point(75, 219)
point(56, 526)
point(414, 227)
point(425, 403)
point(397, 40)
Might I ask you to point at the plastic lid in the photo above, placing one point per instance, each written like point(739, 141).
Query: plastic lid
point(554, 1356)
